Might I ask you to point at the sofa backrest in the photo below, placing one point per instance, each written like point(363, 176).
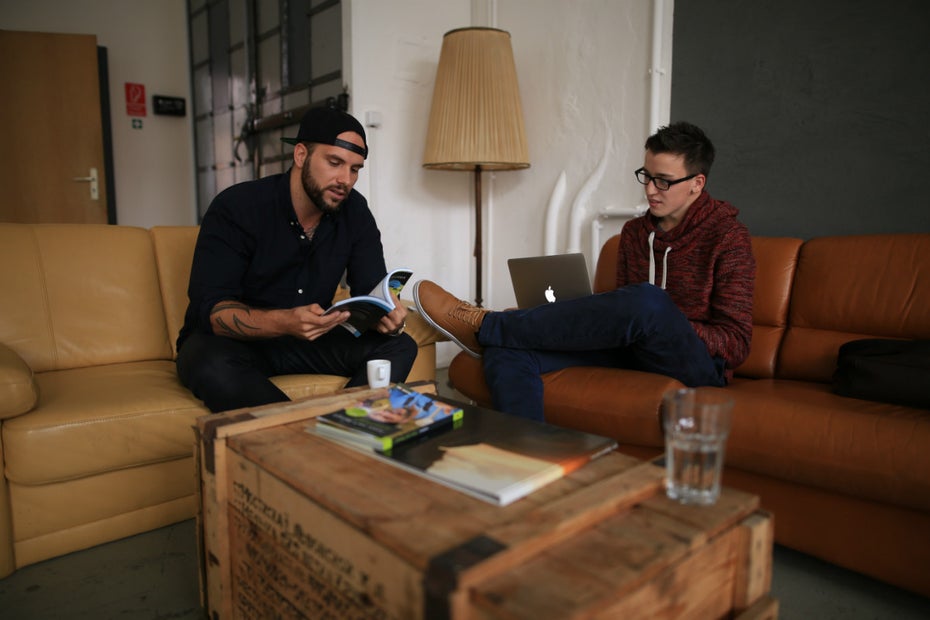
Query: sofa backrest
point(605, 273)
point(776, 260)
point(851, 287)
point(174, 254)
point(76, 295)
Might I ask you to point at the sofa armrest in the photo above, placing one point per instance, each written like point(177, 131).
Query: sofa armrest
point(18, 390)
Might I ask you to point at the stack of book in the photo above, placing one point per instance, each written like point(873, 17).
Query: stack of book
point(389, 417)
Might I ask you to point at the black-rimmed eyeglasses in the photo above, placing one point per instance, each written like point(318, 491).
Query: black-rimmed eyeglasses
point(661, 184)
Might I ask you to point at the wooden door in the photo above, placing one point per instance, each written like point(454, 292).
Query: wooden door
point(52, 132)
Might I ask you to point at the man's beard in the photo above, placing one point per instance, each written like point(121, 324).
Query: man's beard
point(315, 192)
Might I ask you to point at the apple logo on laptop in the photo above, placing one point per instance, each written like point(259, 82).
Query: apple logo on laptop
point(550, 295)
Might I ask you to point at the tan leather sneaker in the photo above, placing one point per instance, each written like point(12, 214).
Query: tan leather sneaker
point(457, 319)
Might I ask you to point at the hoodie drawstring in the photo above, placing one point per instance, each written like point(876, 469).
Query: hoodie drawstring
point(652, 262)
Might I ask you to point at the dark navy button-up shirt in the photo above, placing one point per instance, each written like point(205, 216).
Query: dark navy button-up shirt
point(251, 248)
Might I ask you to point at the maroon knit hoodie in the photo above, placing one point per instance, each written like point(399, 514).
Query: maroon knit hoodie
point(706, 266)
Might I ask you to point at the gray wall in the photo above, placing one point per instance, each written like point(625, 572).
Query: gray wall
point(819, 109)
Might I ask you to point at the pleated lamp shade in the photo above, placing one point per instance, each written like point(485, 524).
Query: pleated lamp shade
point(476, 118)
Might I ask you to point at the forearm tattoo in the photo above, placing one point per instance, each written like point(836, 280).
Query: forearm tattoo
point(239, 328)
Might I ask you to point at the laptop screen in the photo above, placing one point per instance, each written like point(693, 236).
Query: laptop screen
point(545, 279)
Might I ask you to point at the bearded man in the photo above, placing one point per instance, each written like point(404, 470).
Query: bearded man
point(269, 256)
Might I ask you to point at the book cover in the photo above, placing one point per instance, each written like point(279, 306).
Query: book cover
point(366, 310)
point(497, 457)
point(391, 416)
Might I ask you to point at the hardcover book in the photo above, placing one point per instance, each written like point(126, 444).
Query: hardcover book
point(366, 310)
point(393, 415)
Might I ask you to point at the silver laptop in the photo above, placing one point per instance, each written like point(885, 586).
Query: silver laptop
point(544, 279)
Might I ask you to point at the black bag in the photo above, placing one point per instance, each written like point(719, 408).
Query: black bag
point(888, 371)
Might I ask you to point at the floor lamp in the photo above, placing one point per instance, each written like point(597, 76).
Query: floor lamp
point(476, 119)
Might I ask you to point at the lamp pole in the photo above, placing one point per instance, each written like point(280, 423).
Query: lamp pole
point(478, 248)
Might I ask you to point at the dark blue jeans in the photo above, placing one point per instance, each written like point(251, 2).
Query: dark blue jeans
point(636, 327)
point(227, 374)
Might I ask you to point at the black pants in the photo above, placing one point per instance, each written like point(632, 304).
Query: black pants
point(227, 374)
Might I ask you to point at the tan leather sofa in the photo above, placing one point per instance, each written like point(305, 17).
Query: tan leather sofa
point(96, 429)
point(848, 480)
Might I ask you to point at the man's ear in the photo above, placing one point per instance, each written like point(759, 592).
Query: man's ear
point(301, 152)
point(697, 183)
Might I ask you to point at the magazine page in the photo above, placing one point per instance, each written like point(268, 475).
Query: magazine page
point(392, 284)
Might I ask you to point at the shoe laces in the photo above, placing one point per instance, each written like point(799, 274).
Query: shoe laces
point(468, 314)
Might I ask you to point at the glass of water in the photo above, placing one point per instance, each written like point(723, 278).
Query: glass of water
point(697, 423)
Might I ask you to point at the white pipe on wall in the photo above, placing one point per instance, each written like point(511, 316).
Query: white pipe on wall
point(553, 211)
point(578, 210)
point(656, 71)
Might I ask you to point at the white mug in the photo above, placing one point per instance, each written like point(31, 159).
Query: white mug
point(379, 373)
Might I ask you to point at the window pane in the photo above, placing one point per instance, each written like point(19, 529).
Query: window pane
point(203, 91)
point(238, 22)
point(222, 139)
point(219, 54)
point(269, 65)
point(200, 40)
point(268, 17)
point(326, 42)
point(238, 65)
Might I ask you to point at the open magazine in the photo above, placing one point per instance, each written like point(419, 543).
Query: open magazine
point(367, 310)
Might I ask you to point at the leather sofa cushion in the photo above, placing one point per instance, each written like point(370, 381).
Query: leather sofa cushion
point(890, 299)
point(588, 399)
point(799, 431)
point(298, 386)
point(80, 295)
point(99, 419)
point(53, 511)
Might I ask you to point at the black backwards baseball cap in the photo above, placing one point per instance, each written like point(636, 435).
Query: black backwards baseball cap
point(322, 125)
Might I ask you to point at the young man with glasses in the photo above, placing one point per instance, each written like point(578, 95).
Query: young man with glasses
point(682, 306)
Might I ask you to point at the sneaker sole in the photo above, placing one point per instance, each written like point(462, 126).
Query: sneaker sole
point(436, 326)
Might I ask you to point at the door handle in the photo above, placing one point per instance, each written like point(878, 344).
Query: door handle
point(92, 179)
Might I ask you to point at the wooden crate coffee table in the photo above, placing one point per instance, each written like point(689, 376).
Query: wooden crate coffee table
point(293, 525)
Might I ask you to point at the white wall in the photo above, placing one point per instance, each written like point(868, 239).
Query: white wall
point(146, 43)
point(583, 67)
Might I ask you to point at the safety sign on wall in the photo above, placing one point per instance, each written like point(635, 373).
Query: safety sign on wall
point(135, 99)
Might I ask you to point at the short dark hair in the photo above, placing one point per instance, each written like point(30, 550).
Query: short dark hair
point(683, 138)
